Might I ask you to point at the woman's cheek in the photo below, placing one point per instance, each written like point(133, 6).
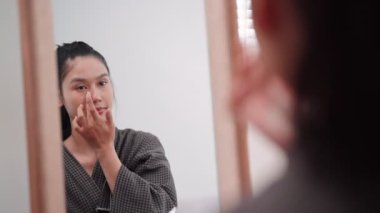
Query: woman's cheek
point(72, 106)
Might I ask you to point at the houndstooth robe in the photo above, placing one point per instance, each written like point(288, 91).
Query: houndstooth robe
point(144, 183)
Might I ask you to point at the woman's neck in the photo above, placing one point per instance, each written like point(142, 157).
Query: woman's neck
point(82, 152)
point(78, 145)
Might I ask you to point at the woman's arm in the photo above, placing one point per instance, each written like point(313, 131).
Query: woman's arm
point(110, 163)
point(148, 186)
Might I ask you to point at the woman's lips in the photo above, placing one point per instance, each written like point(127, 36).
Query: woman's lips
point(101, 110)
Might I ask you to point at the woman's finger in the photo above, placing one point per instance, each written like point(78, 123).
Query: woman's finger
point(90, 109)
point(80, 116)
point(84, 108)
point(76, 125)
point(109, 119)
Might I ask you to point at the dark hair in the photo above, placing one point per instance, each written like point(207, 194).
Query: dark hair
point(66, 52)
point(332, 80)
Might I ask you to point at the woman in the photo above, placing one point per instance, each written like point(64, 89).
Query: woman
point(312, 91)
point(106, 169)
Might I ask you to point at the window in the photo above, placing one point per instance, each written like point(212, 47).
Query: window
point(246, 32)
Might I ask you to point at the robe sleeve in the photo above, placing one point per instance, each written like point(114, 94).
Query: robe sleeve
point(146, 185)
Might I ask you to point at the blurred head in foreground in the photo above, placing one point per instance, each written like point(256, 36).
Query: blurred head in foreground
point(308, 90)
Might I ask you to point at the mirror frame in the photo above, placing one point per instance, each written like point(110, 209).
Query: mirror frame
point(44, 144)
point(230, 134)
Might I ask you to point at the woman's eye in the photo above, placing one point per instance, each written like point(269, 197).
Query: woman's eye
point(81, 88)
point(103, 83)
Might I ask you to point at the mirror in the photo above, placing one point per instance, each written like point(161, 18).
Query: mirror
point(158, 60)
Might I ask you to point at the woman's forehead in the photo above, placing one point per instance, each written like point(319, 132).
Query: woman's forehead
point(87, 67)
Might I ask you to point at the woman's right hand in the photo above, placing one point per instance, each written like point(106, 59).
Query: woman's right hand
point(262, 98)
point(97, 131)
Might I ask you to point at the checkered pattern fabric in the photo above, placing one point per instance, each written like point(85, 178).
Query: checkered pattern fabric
point(144, 183)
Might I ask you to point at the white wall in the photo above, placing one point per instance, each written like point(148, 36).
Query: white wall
point(158, 57)
point(14, 186)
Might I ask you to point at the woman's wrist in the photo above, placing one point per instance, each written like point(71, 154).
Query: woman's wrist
point(110, 163)
point(105, 150)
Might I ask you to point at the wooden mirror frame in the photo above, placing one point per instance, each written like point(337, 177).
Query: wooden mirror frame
point(230, 134)
point(45, 154)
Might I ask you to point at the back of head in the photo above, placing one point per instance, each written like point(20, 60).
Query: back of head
point(333, 84)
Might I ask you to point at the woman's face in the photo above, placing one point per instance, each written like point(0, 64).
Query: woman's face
point(86, 74)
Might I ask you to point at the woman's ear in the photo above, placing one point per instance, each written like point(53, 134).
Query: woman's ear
point(263, 99)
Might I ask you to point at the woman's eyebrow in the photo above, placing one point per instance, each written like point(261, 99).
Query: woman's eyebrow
point(74, 80)
point(103, 75)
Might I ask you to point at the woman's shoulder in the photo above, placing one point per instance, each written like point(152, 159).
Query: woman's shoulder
point(136, 138)
point(133, 144)
point(134, 135)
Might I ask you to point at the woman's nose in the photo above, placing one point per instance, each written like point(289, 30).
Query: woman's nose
point(95, 95)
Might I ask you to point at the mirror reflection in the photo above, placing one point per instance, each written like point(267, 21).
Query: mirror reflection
point(141, 67)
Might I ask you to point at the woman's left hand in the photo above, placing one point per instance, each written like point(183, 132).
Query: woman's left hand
point(97, 130)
